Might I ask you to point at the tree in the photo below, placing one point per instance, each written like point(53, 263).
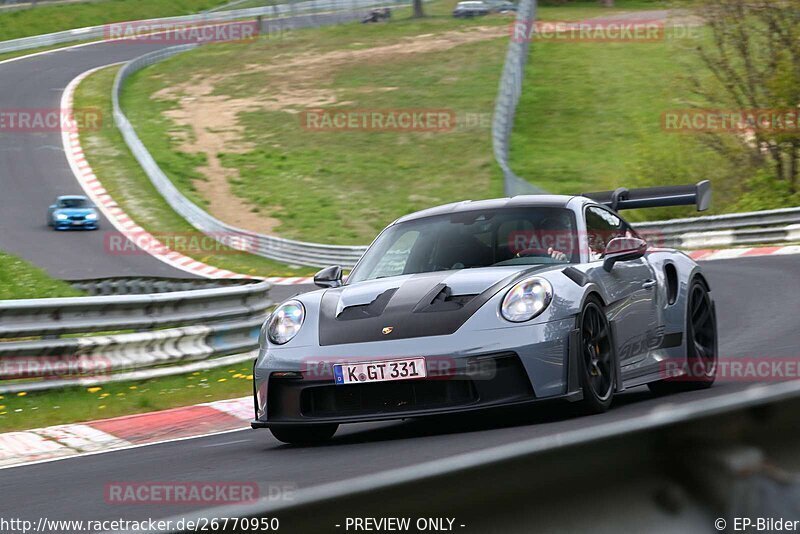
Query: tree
point(753, 57)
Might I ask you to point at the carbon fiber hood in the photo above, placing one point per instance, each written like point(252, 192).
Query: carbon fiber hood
point(427, 304)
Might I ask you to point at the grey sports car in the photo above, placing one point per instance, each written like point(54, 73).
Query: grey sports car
point(487, 304)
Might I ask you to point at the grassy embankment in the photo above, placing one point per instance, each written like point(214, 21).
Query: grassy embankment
point(21, 280)
point(26, 21)
point(339, 186)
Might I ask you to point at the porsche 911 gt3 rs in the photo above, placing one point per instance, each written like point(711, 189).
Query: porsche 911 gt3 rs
point(486, 304)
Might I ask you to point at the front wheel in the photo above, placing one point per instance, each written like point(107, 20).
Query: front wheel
point(701, 345)
point(597, 359)
point(307, 434)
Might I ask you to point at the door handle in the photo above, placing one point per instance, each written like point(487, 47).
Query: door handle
point(649, 284)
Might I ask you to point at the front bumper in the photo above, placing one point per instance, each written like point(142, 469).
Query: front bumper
point(75, 225)
point(477, 383)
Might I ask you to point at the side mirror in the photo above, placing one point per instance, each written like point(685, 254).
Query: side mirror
point(329, 277)
point(623, 249)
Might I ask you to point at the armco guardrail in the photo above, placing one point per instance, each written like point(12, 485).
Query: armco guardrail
point(205, 327)
point(100, 32)
point(752, 228)
point(139, 285)
point(276, 248)
point(722, 456)
point(97, 359)
point(78, 315)
point(508, 95)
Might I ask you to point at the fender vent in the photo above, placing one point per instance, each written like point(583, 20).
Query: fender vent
point(671, 276)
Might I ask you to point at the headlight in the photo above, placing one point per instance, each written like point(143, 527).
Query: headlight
point(526, 300)
point(285, 322)
point(61, 216)
point(91, 217)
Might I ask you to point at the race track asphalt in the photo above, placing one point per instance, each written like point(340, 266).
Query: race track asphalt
point(34, 170)
point(758, 303)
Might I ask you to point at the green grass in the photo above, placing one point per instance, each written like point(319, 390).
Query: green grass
point(590, 119)
point(21, 280)
point(125, 181)
point(343, 187)
point(340, 187)
point(77, 404)
point(43, 18)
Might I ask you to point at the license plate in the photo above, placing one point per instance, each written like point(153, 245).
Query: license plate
point(77, 223)
point(388, 370)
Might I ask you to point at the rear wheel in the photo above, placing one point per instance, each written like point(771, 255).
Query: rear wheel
point(701, 345)
point(304, 434)
point(597, 360)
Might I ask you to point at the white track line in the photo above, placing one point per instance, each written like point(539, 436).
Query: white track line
point(119, 219)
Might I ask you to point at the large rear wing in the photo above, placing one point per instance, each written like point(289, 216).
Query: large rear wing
point(656, 197)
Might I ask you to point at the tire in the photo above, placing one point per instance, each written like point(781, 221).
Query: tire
point(597, 360)
point(701, 345)
point(305, 434)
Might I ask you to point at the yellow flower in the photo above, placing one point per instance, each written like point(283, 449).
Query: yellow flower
point(231, 370)
point(104, 395)
point(238, 375)
point(22, 393)
point(222, 380)
point(133, 387)
point(249, 377)
point(120, 394)
point(94, 389)
point(101, 407)
point(2, 407)
point(2, 397)
point(196, 373)
point(3, 413)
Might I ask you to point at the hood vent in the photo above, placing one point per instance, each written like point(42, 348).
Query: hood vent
point(373, 309)
point(442, 299)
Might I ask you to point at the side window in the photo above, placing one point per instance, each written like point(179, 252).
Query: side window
point(601, 227)
point(393, 263)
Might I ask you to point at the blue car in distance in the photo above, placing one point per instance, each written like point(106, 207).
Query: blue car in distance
point(72, 212)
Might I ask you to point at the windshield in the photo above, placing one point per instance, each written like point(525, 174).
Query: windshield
point(466, 240)
point(74, 203)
